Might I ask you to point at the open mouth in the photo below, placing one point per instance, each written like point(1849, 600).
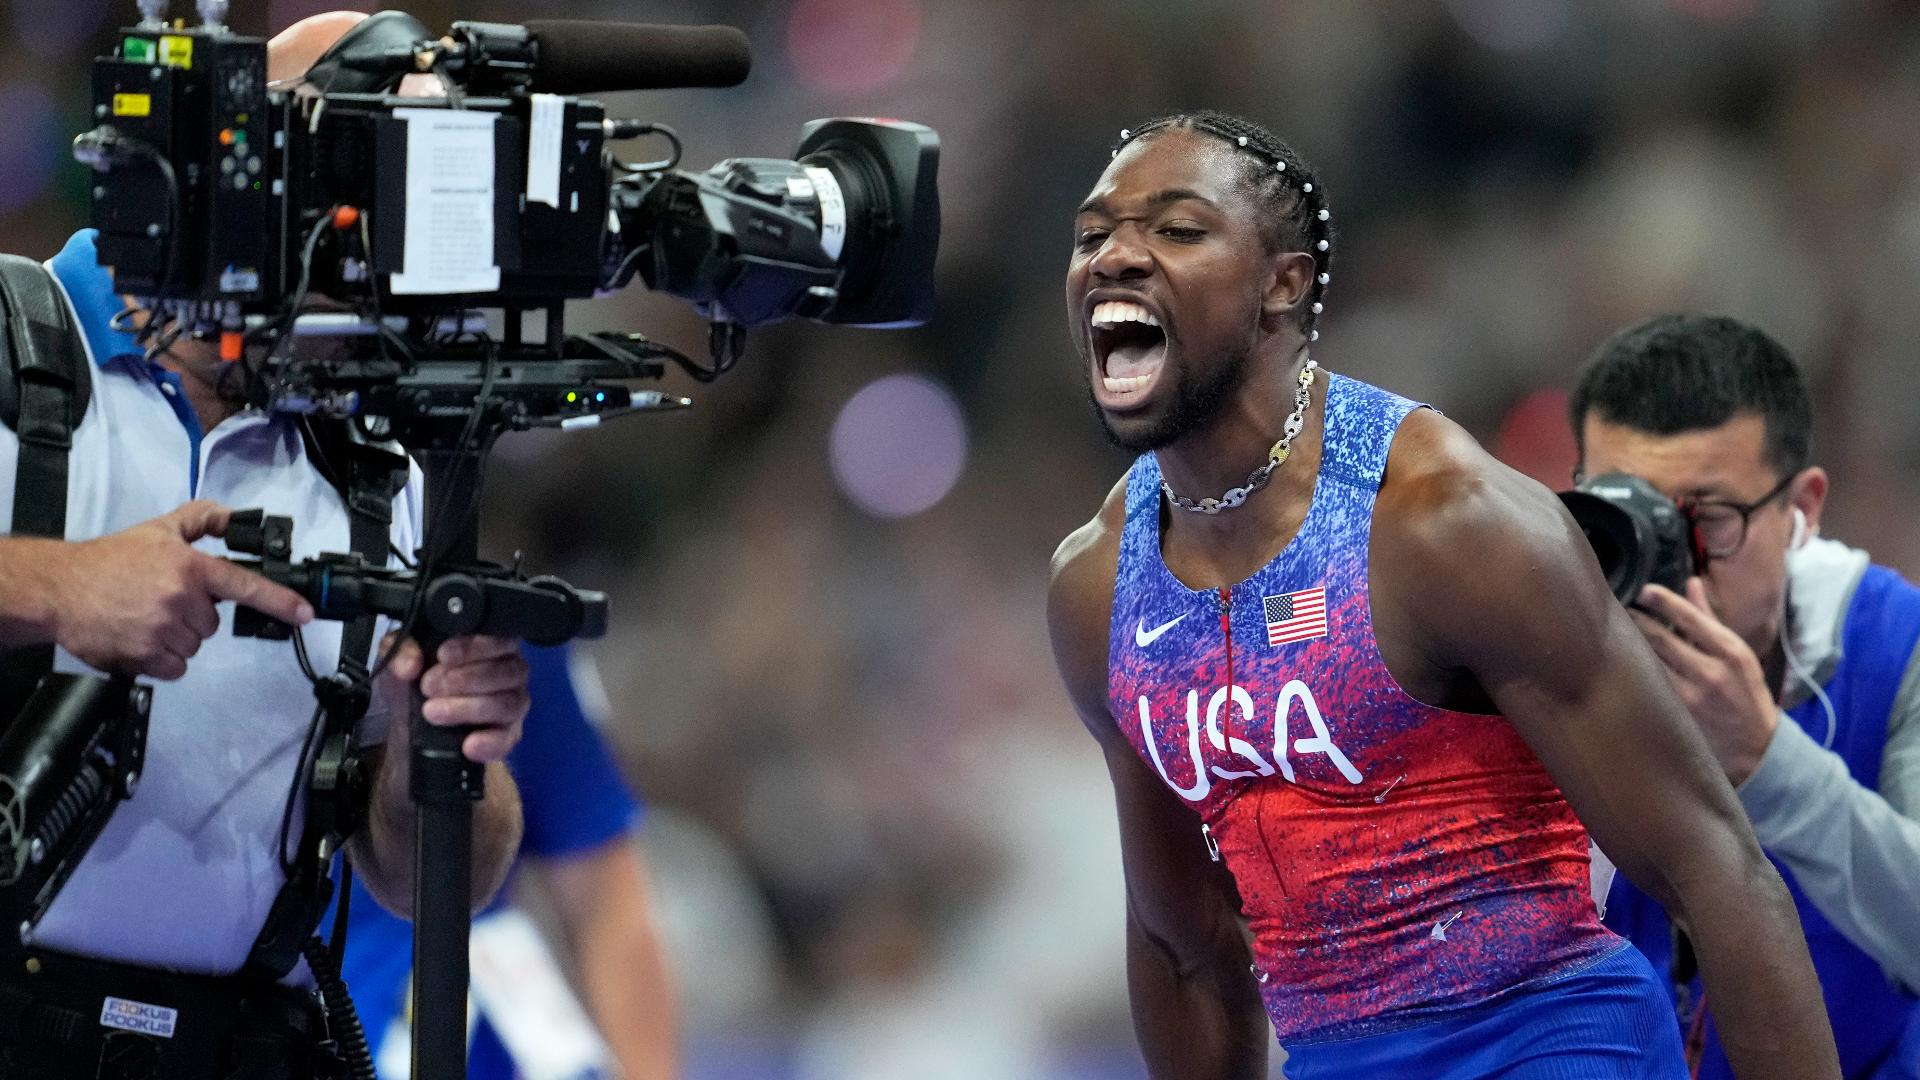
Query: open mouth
point(1129, 345)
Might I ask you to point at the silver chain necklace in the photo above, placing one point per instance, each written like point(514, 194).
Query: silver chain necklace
point(1276, 456)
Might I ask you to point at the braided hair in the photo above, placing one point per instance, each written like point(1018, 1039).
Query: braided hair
point(1296, 218)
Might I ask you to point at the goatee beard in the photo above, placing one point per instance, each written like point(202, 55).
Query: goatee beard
point(1196, 400)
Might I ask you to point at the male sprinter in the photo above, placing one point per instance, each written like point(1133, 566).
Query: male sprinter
point(1370, 728)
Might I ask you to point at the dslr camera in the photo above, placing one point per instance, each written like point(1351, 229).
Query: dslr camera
point(1639, 535)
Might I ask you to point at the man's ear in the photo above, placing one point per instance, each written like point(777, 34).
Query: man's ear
point(1288, 284)
point(1808, 494)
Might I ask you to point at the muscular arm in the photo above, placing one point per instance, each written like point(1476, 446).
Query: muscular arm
point(603, 902)
point(1493, 580)
point(1196, 1009)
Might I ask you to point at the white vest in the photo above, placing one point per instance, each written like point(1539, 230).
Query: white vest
point(183, 875)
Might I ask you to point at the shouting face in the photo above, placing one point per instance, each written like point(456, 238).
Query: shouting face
point(1166, 287)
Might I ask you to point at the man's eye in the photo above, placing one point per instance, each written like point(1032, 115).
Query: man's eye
point(1182, 233)
point(1090, 238)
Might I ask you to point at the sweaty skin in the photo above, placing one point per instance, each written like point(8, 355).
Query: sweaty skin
point(1485, 597)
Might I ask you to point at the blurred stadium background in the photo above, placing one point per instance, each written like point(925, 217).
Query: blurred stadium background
point(883, 846)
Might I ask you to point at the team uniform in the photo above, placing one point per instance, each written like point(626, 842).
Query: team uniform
point(1416, 885)
point(574, 801)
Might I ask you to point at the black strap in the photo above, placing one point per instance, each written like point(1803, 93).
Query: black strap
point(44, 387)
point(368, 475)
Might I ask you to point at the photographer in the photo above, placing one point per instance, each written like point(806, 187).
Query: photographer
point(165, 908)
point(1795, 655)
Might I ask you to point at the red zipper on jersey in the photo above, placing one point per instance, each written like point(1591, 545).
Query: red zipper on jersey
point(1226, 628)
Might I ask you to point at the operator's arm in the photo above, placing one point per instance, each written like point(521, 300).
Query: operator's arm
point(1491, 578)
point(477, 681)
point(27, 608)
point(136, 602)
point(1196, 1008)
point(603, 902)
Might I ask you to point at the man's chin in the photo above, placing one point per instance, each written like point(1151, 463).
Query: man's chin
point(1139, 430)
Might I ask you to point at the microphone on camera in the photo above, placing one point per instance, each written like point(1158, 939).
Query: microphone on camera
point(587, 57)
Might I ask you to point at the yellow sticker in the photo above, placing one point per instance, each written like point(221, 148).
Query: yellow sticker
point(132, 104)
point(176, 51)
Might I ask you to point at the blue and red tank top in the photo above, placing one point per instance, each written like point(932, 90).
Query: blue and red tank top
point(1396, 861)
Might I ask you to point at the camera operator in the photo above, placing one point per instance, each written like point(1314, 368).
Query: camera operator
point(580, 824)
point(164, 909)
point(1797, 658)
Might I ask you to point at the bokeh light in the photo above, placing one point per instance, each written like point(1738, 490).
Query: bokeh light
point(899, 445)
point(46, 35)
point(1513, 26)
point(31, 143)
point(1717, 10)
point(1534, 438)
point(850, 46)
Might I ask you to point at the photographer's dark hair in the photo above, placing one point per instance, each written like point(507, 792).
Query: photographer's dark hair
point(1678, 373)
point(1297, 218)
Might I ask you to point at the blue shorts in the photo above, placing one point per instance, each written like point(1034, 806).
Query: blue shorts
point(1612, 1019)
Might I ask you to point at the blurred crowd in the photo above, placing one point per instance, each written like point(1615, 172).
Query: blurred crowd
point(883, 847)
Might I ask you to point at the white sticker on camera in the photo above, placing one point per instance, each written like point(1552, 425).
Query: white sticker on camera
point(450, 196)
point(543, 149)
point(833, 211)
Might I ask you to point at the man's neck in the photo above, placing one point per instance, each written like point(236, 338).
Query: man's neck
point(203, 391)
point(1772, 655)
point(1218, 455)
point(1231, 544)
point(199, 366)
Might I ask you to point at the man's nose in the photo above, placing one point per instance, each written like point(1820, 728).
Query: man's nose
point(1122, 256)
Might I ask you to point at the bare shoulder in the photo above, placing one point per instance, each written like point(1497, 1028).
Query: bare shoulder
point(1443, 490)
point(1464, 548)
point(1080, 603)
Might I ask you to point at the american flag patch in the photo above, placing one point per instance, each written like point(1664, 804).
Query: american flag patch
point(1296, 616)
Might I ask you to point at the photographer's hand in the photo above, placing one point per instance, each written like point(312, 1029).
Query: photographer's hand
point(140, 601)
point(1716, 675)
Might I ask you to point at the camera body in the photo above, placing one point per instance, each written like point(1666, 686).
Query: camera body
point(1639, 535)
point(221, 200)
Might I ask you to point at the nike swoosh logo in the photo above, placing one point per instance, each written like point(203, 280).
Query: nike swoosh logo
point(1144, 637)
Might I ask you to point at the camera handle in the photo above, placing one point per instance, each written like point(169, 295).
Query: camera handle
point(466, 598)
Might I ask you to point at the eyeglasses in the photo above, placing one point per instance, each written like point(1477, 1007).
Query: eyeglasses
point(1720, 528)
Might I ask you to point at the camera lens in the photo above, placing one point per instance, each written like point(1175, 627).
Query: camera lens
point(1638, 535)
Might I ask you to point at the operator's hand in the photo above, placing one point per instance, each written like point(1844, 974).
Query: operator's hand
point(140, 601)
point(1717, 676)
point(479, 681)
